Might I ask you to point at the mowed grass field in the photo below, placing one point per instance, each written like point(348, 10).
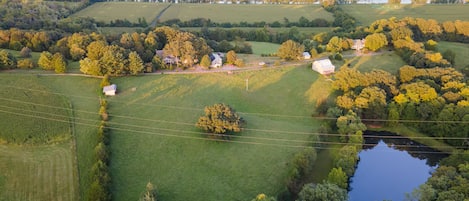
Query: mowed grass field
point(37, 154)
point(41, 173)
point(107, 11)
point(366, 14)
point(82, 93)
point(236, 13)
point(154, 138)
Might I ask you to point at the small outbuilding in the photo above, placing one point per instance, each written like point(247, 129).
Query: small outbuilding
point(110, 90)
point(323, 66)
point(306, 55)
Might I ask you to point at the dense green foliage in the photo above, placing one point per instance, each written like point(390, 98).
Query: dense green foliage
point(321, 192)
point(220, 119)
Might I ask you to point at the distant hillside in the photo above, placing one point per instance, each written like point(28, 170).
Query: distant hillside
point(366, 14)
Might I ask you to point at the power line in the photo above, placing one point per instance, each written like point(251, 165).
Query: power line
point(201, 133)
point(251, 129)
point(261, 114)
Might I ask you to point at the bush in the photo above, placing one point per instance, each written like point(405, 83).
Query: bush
point(25, 63)
point(220, 119)
point(338, 57)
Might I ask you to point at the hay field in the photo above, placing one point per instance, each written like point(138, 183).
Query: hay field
point(107, 11)
point(40, 173)
point(236, 13)
point(366, 14)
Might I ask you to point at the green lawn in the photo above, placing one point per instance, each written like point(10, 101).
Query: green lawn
point(260, 48)
point(366, 14)
point(236, 13)
point(107, 11)
point(154, 138)
point(461, 50)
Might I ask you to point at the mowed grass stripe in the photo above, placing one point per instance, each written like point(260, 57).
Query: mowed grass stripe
point(366, 14)
point(37, 172)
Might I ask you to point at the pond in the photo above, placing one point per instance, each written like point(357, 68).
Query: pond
point(390, 167)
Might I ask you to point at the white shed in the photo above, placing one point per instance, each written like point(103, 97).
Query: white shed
point(323, 66)
point(306, 55)
point(216, 60)
point(110, 90)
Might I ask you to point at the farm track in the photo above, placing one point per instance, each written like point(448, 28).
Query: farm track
point(157, 18)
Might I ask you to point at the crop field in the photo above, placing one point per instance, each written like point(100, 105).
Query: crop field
point(22, 100)
point(41, 173)
point(154, 137)
point(366, 14)
point(244, 13)
point(107, 11)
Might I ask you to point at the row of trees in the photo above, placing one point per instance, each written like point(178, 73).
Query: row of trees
point(100, 189)
point(203, 22)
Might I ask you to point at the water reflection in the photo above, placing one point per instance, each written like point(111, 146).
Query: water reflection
point(389, 167)
point(394, 141)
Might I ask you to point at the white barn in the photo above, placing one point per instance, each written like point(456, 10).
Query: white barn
point(323, 66)
point(216, 60)
point(110, 90)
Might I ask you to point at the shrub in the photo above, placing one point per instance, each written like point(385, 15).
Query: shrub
point(25, 63)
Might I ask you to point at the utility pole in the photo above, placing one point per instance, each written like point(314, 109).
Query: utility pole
point(247, 84)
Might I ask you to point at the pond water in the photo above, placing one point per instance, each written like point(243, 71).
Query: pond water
point(389, 168)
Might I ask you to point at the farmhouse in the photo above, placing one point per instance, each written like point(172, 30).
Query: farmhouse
point(323, 66)
point(216, 60)
point(358, 44)
point(110, 90)
point(169, 59)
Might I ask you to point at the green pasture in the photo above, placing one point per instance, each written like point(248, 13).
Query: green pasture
point(366, 62)
point(107, 11)
point(83, 94)
point(461, 50)
point(235, 13)
point(260, 48)
point(154, 137)
point(40, 173)
point(366, 14)
point(72, 66)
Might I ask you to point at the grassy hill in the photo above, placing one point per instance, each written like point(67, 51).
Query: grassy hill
point(107, 11)
point(235, 13)
point(366, 14)
point(154, 137)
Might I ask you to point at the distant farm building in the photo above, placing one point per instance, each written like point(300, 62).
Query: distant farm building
point(216, 60)
point(323, 66)
point(110, 90)
point(358, 44)
point(306, 55)
point(168, 59)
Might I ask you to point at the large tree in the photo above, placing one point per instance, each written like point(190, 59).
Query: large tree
point(375, 41)
point(290, 50)
point(220, 119)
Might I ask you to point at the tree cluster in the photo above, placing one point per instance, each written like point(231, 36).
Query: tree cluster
point(35, 14)
point(55, 62)
point(7, 60)
point(290, 50)
point(430, 95)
